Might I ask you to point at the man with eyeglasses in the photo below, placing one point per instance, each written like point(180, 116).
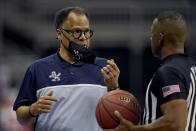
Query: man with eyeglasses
point(60, 92)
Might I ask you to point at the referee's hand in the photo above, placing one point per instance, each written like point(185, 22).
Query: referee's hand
point(43, 105)
point(111, 74)
point(124, 125)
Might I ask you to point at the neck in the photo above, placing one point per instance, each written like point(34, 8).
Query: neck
point(166, 52)
point(66, 55)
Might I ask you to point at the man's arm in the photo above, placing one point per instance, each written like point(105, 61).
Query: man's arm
point(26, 115)
point(174, 119)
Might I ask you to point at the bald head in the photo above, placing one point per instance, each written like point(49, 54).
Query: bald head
point(172, 25)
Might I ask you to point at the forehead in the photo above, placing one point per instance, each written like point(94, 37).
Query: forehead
point(75, 20)
point(155, 25)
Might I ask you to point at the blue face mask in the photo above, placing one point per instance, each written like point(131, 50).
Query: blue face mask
point(81, 53)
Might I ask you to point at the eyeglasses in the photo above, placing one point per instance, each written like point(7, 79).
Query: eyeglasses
point(76, 33)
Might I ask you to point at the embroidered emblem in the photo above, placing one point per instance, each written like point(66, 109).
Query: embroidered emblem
point(55, 76)
point(171, 89)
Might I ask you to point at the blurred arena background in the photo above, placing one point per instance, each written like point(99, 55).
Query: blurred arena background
point(122, 32)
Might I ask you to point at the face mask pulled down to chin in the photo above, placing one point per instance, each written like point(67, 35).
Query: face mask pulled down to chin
point(81, 53)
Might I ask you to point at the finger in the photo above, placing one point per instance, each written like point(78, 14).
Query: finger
point(45, 102)
point(44, 111)
point(47, 107)
point(104, 74)
point(50, 98)
point(118, 115)
point(113, 65)
point(108, 130)
point(123, 120)
point(50, 93)
point(106, 69)
point(109, 67)
point(109, 76)
point(114, 73)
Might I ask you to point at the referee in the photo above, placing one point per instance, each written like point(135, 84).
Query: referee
point(170, 103)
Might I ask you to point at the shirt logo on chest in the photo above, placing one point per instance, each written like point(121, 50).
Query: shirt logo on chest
point(54, 76)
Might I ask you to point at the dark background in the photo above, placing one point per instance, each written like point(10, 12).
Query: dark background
point(122, 32)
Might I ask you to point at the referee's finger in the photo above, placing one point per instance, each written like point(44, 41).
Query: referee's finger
point(123, 120)
point(118, 115)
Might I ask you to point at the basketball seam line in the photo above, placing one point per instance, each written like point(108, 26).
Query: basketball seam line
point(100, 115)
point(108, 112)
point(124, 107)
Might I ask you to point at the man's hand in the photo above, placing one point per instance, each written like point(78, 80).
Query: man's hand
point(111, 74)
point(43, 105)
point(124, 125)
point(27, 115)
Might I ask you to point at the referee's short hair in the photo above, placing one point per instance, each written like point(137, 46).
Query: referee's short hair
point(62, 15)
point(171, 16)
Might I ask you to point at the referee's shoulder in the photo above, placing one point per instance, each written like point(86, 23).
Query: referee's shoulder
point(167, 70)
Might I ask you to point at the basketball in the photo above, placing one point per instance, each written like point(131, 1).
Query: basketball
point(120, 100)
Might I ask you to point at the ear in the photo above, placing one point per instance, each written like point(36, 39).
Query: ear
point(161, 35)
point(161, 38)
point(58, 34)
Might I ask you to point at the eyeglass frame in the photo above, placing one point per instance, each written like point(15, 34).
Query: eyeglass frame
point(73, 31)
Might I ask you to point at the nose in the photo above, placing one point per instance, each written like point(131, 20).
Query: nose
point(82, 37)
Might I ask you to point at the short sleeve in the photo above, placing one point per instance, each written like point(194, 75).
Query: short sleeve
point(27, 92)
point(168, 84)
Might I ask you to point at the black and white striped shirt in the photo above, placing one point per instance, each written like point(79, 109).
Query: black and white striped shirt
point(175, 79)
